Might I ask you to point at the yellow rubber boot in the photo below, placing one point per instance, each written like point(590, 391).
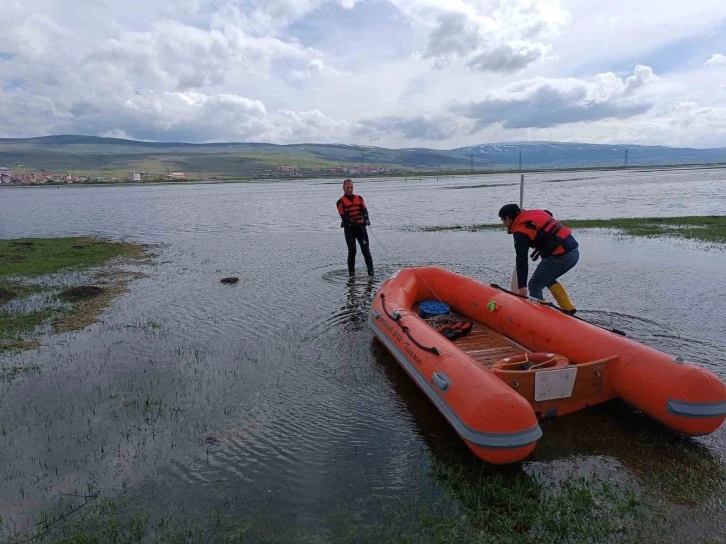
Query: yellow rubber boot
point(562, 298)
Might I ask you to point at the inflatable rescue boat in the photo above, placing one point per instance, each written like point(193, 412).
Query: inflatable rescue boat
point(494, 362)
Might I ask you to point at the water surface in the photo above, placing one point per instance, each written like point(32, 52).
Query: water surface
point(270, 400)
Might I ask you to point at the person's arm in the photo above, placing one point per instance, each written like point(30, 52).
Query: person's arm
point(341, 211)
point(364, 212)
point(521, 247)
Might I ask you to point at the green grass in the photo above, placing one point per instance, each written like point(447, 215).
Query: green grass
point(14, 324)
point(17, 290)
point(31, 257)
point(509, 506)
point(91, 520)
point(702, 228)
point(35, 257)
point(480, 504)
point(496, 507)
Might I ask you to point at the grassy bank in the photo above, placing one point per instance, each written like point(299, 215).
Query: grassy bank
point(480, 504)
point(711, 228)
point(31, 298)
point(494, 508)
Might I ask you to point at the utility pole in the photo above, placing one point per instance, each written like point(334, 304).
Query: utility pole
point(520, 160)
point(515, 284)
point(625, 161)
point(521, 191)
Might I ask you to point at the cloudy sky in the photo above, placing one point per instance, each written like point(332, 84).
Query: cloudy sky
point(394, 73)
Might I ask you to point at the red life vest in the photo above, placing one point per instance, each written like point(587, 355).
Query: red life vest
point(457, 329)
point(352, 210)
point(546, 234)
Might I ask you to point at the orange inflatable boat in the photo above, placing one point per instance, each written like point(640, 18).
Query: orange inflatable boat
point(496, 362)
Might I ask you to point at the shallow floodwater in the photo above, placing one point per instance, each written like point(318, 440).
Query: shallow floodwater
point(270, 400)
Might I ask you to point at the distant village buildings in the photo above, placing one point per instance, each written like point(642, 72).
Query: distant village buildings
point(10, 176)
point(351, 169)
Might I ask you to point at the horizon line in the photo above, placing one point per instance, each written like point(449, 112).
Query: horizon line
point(262, 143)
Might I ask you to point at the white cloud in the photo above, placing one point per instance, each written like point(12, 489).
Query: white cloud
point(492, 35)
point(23, 114)
point(420, 127)
point(260, 17)
point(120, 134)
point(544, 102)
point(306, 126)
point(383, 71)
point(176, 114)
point(641, 76)
point(30, 38)
point(684, 124)
point(508, 57)
point(716, 60)
point(314, 67)
point(182, 57)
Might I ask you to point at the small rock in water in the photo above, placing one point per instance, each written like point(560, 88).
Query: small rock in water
point(232, 279)
point(81, 292)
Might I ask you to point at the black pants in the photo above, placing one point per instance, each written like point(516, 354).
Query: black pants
point(351, 235)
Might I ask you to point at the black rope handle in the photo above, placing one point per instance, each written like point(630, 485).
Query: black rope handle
point(616, 331)
point(405, 329)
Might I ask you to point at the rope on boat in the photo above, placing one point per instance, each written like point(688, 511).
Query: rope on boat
point(439, 321)
point(397, 320)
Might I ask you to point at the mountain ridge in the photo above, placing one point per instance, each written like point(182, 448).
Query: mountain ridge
point(80, 153)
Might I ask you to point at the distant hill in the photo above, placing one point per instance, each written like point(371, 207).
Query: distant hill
point(89, 154)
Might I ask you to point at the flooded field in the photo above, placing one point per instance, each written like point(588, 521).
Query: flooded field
point(266, 409)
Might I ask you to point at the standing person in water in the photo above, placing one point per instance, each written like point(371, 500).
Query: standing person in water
point(353, 221)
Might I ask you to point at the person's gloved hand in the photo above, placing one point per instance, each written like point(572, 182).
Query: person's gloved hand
point(368, 222)
point(342, 222)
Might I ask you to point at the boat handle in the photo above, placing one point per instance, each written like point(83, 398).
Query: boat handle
point(442, 381)
point(396, 318)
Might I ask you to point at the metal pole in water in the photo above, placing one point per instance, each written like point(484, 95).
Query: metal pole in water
point(514, 285)
point(521, 191)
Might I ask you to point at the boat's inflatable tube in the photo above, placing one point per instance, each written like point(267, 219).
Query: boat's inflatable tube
point(495, 410)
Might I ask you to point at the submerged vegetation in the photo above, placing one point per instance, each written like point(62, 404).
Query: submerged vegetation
point(480, 504)
point(711, 228)
point(26, 266)
point(512, 506)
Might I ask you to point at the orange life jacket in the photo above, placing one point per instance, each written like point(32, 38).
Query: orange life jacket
point(352, 210)
point(546, 234)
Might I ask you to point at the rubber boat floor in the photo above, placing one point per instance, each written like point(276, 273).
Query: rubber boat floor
point(487, 346)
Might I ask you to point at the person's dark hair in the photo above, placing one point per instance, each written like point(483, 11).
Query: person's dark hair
point(509, 210)
point(347, 180)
